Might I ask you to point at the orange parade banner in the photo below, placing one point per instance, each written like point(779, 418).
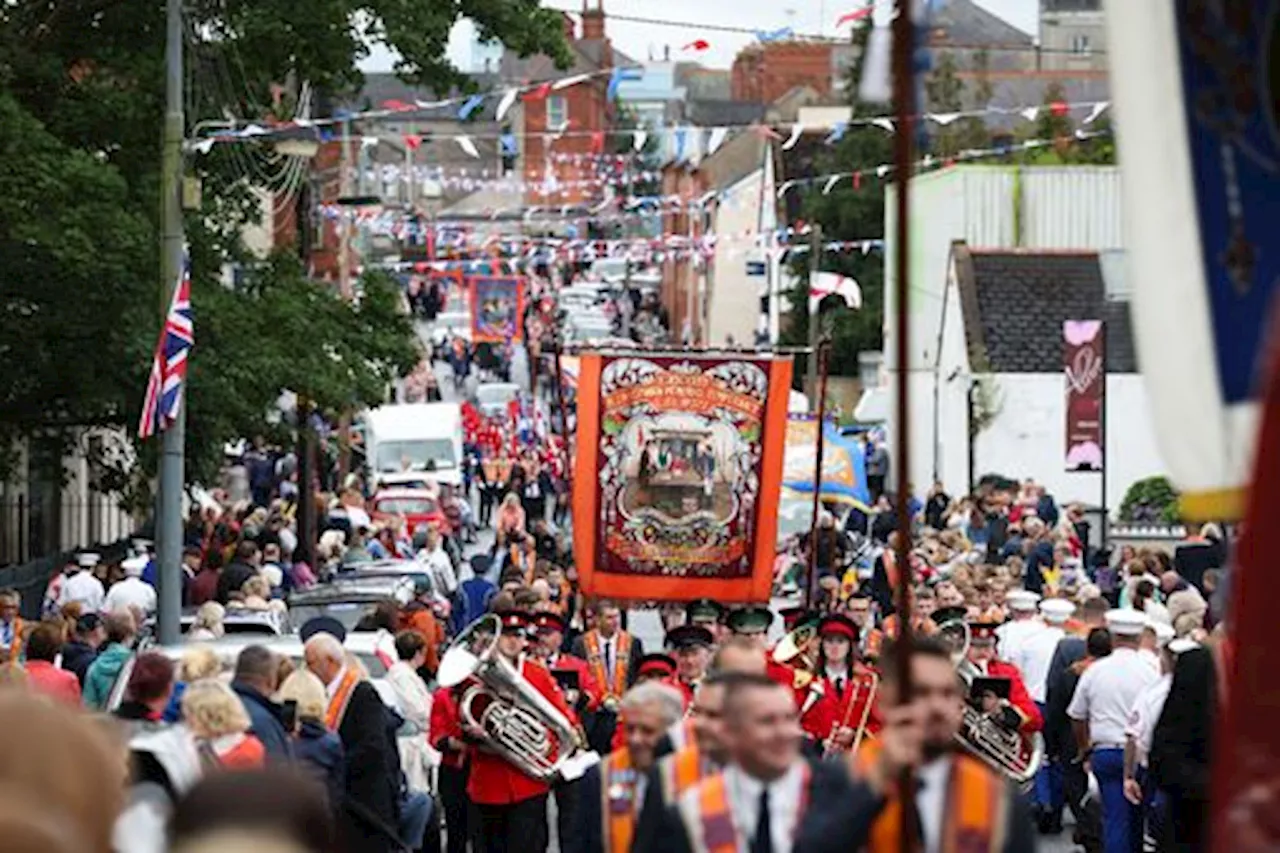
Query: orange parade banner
point(678, 474)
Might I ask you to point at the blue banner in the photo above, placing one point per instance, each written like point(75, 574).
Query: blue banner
point(844, 469)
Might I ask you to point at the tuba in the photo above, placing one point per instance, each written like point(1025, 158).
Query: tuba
point(518, 722)
point(792, 646)
point(1015, 755)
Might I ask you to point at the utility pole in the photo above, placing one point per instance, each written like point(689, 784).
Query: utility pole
point(815, 310)
point(344, 288)
point(172, 461)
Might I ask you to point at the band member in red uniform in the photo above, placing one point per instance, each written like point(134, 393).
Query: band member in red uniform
point(709, 614)
point(847, 704)
point(511, 806)
point(691, 646)
point(752, 623)
point(587, 696)
point(445, 734)
point(613, 656)
point(1022, 713)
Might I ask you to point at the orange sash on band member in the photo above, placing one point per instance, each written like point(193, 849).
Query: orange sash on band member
point(618, 806)
point(975, 814)
point(341, 697)
point(617, 685)
point(719, 834)
point(681, 771)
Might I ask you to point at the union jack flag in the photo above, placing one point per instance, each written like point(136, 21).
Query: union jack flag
point(169, 366)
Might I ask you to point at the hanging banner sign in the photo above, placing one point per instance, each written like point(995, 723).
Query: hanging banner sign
point(679, 469)
point(844, 470)
point(497, 304)
point(1084, 366)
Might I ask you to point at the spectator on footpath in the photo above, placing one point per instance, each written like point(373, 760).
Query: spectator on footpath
point(232, 578)
point(10, 625)
point(148, 690)
point(60, 778)
point(208, 623)
point(318, 750)
point(276, 810)
point(204, 586)
point(82, 649)
point(255, 682)
point(102, 673)
point(217, 718)
point(198, 662)
point(43, 675)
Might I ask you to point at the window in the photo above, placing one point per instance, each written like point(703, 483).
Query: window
point(1080, 44)
point(557, 111)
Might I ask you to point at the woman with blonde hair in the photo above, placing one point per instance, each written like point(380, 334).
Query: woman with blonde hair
point(217, 719)
point(510, 515)
point(208, 622)
point(198, 663)
point(316, 748)
point(257, 593)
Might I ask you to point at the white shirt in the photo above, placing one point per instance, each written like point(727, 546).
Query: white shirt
point(358, 518)
point(332, 687)
point(84, 588)
point(273, 574)
point(441, 567)
point(1106, 692)
point(131, 592)
point(1144, 715)
point(1014, 635)
point(931, 800)
point(1150, 658)
point(1034, 658)
point(784, 805)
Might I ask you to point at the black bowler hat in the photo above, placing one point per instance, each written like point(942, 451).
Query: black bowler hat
point(322, 625)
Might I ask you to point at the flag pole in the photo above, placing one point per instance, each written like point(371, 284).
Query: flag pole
point(822, 356)
point(904, 107)
point(169, 524)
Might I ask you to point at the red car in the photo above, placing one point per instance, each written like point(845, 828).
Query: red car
point(416, 506)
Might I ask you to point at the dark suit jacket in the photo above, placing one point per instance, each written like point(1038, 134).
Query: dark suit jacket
point(830, 790)
point(579, 649)
point(1059, 740)
point(842, 811)
point(372, 773)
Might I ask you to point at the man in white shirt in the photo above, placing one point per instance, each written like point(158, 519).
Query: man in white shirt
point(1141, 726)
point(133, 592)
point(83, 586)
point(434, 557)
point(1034, 658)
point(1099, 711)
point(1022, 624)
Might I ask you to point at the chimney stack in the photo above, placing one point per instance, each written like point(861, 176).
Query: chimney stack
point(570, 31)
point(593, 20)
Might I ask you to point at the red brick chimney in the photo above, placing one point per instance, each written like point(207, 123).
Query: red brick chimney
point(593, 20)
point(570, 31)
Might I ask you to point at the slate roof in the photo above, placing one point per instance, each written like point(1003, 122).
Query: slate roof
point(965, 22)
point(1014, 303)
point(1071, 5)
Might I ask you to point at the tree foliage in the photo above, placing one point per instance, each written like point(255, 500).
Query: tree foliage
point(81, 109)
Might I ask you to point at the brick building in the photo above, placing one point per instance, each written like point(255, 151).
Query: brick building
point(763, 73)
point(582, 111)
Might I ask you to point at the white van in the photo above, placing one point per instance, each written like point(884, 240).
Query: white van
point(400, 440)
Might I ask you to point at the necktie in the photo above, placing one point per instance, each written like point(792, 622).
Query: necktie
point(762, 841)
point(917, 820)
point(608, 660)
point(840, 686)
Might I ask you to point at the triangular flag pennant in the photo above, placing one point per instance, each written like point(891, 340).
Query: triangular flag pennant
point(697, 45)
point(831, 183)
point(681, 134)
point(944, 119)
point(471, 105)
point(570, 81)
point(538, 92)
point(796, 130)
point(885, 124)
point(782, 190)
point(857, 180)
point(1098, 109)
point(465, 143)
point(717, 139)
point(597, 141)
point(882, 170)
point(412, 141)
point(204, 146)
point(1031, 113)
point(368, 141)
point(508, 98)
point(1059, 109)
point(765, 132)
point(856, 15)
point(837, 133)
point(639, 139)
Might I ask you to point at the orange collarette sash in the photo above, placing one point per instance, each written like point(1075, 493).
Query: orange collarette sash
point(618, 791)
point(680, 771)
point(616, 684)
point(341, 698)
point(975, 814)
point(719, 833)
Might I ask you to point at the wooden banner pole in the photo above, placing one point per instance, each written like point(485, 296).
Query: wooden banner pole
point(820, 443)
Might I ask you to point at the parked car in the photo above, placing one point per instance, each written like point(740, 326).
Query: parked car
point(416, 505)
point(360, 644)
point(348, 597)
